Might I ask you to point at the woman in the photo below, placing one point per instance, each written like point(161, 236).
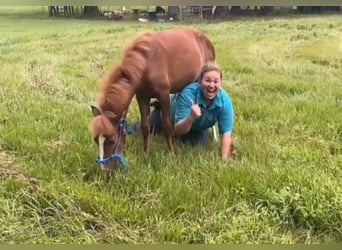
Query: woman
point(198, 107)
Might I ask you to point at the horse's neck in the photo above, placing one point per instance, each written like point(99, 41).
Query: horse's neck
point(119, 98)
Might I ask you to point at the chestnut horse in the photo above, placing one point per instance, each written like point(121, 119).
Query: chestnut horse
point(153, 66)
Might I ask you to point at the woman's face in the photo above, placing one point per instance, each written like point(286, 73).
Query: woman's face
point(211, 84)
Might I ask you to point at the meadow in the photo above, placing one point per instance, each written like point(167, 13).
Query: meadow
point(284, 77)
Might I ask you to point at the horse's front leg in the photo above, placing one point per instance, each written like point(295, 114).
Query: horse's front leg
point(144, 107)
point(167, 124)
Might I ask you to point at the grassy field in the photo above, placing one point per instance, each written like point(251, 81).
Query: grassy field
point(284, 76)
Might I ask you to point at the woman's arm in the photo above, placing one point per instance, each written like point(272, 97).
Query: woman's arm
point(184, 126)
point(227, 146)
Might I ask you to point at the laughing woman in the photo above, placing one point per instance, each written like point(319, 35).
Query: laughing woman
point(198, 107)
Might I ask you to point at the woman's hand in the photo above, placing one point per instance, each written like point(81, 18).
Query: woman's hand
point(195, 111)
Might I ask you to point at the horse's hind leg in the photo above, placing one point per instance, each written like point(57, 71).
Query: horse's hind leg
point(144, 107)
point(167, 125)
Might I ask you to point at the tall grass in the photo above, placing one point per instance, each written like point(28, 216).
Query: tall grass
point(283, 186)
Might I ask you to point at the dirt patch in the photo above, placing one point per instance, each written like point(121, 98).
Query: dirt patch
point(56, 146)
point(10, 169)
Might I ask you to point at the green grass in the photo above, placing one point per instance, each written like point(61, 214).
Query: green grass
point(284, 76)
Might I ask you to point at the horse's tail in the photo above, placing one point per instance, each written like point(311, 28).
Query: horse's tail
point(134, 62)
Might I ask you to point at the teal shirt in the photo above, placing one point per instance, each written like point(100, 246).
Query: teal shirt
point(221, 110)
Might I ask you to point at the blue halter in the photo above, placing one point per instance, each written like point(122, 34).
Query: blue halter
point(123, 129)
point(114, 157)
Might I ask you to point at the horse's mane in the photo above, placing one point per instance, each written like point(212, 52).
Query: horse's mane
point(134, 61)
point(122, 81)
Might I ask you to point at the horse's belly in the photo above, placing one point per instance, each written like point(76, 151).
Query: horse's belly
point(186, 75)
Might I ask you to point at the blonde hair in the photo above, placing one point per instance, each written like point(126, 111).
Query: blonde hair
point(209, 66)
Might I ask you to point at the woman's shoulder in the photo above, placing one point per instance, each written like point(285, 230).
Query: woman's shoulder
point(191, 88)
point(225, 97)
point(193, 85)
point(224, 94)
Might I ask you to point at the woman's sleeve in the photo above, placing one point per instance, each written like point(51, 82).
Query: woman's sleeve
point(226, 117)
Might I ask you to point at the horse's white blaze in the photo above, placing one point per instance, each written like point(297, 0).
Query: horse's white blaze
point(101, 148)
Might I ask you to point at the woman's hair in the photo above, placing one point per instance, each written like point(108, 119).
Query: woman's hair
point(209, 66)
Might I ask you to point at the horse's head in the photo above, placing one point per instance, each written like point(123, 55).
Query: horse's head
point(109, 132)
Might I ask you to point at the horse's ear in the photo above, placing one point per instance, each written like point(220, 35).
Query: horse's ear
point(95, 111)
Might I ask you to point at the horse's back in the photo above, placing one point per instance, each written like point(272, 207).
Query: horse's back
point(178, 56)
